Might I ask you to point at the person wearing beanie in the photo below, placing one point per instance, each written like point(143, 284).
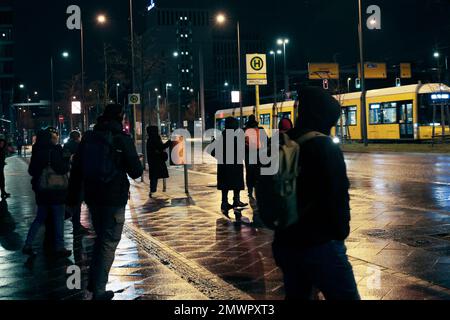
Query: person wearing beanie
point(101, 166)
point(312, 252)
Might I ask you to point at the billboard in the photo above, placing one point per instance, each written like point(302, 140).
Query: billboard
point(373, 70)
point(320, 71)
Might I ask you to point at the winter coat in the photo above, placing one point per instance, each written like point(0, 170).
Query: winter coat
point(114, 193)
point(322, 186)
point(42, 155)
point(157, 157)
point(229, 176)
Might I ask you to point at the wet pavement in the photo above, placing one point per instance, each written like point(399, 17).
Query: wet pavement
point(183, 247)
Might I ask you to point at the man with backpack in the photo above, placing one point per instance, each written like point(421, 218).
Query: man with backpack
point(100, 167)
point(308, 205)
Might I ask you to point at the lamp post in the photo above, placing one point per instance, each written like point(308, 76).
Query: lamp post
point(117, 92)
point(284, 42)
point(65, 55)
point(221, 19)
point(168, 85)
point(275, 89)
point(363, 82)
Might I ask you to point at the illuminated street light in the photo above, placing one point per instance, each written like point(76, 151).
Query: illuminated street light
point(65, 54)
point(21, 86)
point(284, 42)
point(221, 18)
point(35, 93)
point(101, 18)
point(226, 84)
point(175, 54)
point(436, 55)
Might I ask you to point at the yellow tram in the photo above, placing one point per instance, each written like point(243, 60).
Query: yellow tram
point(398, 113)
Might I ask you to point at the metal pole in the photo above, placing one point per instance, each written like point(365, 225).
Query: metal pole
point(85, 123)
point(286, 78)
point(133, 67)
point(106, 76)
point(239, 75)
point(202, 92)
point(363, 82)
point(53, 92)
point(275, 91)
point(117, 94)
point(257, 102)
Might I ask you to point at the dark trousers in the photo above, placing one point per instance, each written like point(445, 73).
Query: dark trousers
point(324, 267)
point(251, 176)
point(153, 185)
point(2, 179)
point(236, 196)
point(108, 225)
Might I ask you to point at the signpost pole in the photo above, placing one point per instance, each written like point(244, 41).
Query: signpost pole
point(257, 102)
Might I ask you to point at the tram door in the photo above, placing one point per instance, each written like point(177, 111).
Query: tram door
point(406, 120)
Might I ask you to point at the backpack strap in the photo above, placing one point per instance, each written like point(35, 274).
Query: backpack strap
point(309, 136)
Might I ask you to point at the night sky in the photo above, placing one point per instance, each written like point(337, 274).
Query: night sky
point(319, 30)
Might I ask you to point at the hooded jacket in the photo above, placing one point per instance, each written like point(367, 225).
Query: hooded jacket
point(114, 193)
point(322, 186)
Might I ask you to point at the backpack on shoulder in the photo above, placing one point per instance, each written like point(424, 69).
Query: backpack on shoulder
point(99, 158)
point(276, 195)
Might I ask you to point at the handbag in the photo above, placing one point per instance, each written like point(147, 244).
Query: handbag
point(50, 180)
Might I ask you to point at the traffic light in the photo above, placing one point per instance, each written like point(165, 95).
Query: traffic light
point(358, 83)
point(325, 84)
point(398, 82)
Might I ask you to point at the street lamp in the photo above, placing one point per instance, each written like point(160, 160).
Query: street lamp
point(221, 19)
point(101, 19)
point(64, 55)
point(35, 93)
point(21, 86)
point(175, 54)
point(284, 42)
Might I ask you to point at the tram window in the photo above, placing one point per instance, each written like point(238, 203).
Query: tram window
point(220, 124)
point(348, 116)
point(384, 113)
point(264, 119)
point(426, 111)
point(284, 115)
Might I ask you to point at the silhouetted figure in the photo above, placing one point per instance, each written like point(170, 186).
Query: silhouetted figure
point(156, 157)
point(70, 148)
point(230, 176)
point(47, 157)
point(3, 154)
point(252, 145)
point(100, 167)
point(20, 141)
point(312, 253)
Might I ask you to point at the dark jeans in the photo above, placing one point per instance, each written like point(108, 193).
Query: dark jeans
point(2, 179)
point(56, 212)
point(324, 267)
point(76, 217)
point(236, 196)
point(108, 225)
point(252, 172)
point(153, 185)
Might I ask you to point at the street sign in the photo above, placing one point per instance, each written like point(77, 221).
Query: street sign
point(318, 71)
point(405, 71)
point(76, 107)
point(134, 98)
point(256, 69)
point(373, 70)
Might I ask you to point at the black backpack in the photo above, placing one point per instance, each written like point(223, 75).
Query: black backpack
point(99, 157)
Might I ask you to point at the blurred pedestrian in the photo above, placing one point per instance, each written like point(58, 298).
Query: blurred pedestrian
point(157, 158)
point(230, 176)
point(285, 125)
point(252, 146)
point(19, 142)
point(105, 157)
point(3, 154)
point(70, 149)
point(311, 252)
point(49, 169)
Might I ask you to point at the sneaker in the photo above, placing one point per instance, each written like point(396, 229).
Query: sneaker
point(28, 250)
point(239, 204)
point(105, 296)
point(63, 253)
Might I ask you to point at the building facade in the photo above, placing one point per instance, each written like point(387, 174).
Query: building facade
point(6, 59)
point(181, 38)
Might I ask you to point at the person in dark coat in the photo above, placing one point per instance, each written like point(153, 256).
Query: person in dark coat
point(252, 144)
point(230, 176)
point(46, 152)
point(3, 154)
point(106, 200)
point(20, 141)
point(312, 253)
point(156, 157)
